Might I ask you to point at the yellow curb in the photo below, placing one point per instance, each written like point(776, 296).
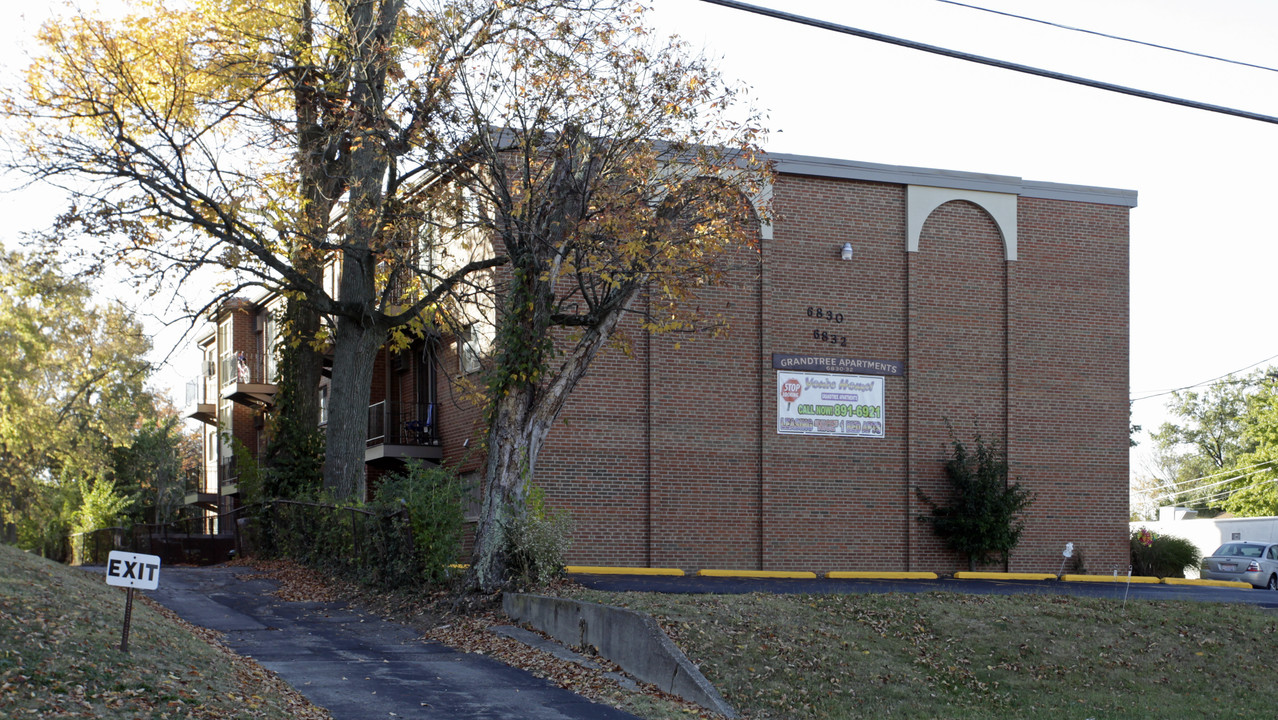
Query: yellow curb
point(1140, 579)
point(1208, 583)
point(874, 575)
point(602, 570)
point(788, 574)
point(965, 575)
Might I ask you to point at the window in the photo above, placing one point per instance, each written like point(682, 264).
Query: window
point(323, 405)
point(471, 502)
point(468, 350)
point(268, 352)
point(224, 350)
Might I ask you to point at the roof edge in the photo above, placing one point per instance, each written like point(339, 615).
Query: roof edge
point(1079, 193)
point(905, 175)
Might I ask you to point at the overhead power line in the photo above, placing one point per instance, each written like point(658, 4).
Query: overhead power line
point(1226, 493)
point(1175, 489)
point(992, 62)
point(1200, 384)
point(1108, 36)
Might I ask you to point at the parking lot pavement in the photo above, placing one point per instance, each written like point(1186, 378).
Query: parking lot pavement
point(359, 666)
point(731, 585)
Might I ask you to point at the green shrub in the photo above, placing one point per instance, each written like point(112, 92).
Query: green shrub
point(372, 545)
point(980, 520)
point(410, 534)
point(536, 542)
point(1162, 555)
point(432, 497)
point(294, 462)
point(248, 481)
point(314, 534)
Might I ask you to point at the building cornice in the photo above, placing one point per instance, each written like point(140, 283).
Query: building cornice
point(786, 164)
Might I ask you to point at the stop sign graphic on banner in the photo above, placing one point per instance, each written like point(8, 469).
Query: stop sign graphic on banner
point(791, 389)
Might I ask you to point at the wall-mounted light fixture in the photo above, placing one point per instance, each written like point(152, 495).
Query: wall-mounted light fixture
point(846, 253)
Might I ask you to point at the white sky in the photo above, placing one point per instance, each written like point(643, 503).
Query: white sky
point(1202, 242)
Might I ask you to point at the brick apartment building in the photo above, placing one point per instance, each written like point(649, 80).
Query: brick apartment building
point(886, 304)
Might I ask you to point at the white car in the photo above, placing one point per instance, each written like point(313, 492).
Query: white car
point(1249, 562)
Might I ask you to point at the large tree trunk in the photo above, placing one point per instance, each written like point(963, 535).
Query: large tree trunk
point(317, 186)
point(354, 356)
point(302, 323)
point(358, 335)
point(521, 421)
point(514, 439)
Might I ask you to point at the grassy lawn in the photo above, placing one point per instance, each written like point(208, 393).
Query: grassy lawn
point(942, 655)
point(935, 655)
point(60, 658)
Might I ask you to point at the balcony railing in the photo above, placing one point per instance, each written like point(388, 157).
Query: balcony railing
point(196, 492)
point(200, 388)
point(227, 473)
point(197, 392)
point(395, 423)
point(201, 400)
point(193, 481)
point(243, 367)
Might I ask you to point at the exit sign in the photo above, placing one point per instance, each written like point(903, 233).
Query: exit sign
point(132, 570)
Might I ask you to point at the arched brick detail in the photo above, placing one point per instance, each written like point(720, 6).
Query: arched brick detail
point(958, 352)
point(922, 201)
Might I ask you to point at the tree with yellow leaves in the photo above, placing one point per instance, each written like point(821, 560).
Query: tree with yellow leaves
point(609, 169)
point(529, 164)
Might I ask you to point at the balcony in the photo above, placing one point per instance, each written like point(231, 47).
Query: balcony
point(199, 397)
point(195, 494)
point(244, 380)
point(402, 431)
point(228, 477)
point(399, 290)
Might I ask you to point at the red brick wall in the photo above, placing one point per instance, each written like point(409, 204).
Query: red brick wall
point(244, 339)
point(835, 503)
point(1069, 379)
point(670, 457)
point(596, 462)
point(460, 416)
point(705, 415)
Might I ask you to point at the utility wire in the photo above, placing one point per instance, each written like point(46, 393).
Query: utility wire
point(992, 62)
point(1226, 493)
point(1205, 382)
point(1108, 36)
point(1218, 496)
point(1174, 483)
point(1173, 486)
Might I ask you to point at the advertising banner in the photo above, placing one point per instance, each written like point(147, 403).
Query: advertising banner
point(811, 403)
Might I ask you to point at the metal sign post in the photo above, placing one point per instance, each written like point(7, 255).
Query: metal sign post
point(131, 570)
point(128, 618)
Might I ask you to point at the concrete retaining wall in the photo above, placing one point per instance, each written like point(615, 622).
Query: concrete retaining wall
point(631, 639)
